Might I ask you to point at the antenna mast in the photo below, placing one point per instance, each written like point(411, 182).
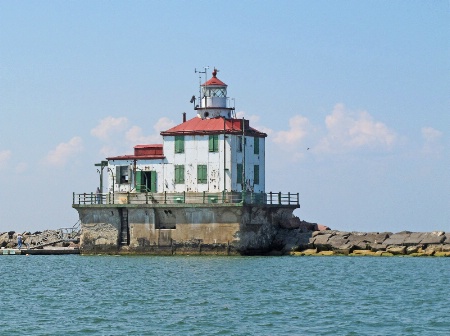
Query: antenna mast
point(200, 82)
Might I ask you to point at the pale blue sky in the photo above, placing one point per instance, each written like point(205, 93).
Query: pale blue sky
point(364, 84)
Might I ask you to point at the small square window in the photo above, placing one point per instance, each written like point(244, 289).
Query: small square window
point(256, 145)
point(214, 143)
point(202, 174)
point(239, 173)
point(179, 174)
point(179, 143)
point(256, 174)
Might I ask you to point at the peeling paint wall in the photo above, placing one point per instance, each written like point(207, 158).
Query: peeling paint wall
point(141, 165)
point(251, 159)
point(221, 166)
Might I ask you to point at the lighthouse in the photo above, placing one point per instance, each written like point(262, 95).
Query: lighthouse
point(213, 100)
point(205, 183)
point(228, 153)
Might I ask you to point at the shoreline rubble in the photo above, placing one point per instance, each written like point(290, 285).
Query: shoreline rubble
point(297, 241)
point(47, 239)
point(297, 238)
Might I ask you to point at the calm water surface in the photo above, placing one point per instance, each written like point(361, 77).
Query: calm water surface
point(117, 295)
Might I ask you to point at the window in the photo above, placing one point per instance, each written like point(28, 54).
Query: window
point(179, 143)
point(256, 145)
point(210, 92)
point(122, 174)
point(256, 174)
point(179, 174)
point(239, 173)
point(239, 143)
point(202, 174)
point(214, 143)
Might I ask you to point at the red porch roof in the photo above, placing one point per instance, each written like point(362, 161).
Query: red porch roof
point(143, 152)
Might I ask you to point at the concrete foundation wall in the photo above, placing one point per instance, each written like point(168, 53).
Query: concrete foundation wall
point(100, 229)
point(157, 229)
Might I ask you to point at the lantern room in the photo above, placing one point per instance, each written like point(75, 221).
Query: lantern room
point(214, 99)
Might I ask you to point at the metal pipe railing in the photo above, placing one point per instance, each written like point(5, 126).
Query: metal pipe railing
point(187, 197)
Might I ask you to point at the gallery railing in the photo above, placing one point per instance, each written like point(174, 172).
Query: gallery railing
point(187, 197)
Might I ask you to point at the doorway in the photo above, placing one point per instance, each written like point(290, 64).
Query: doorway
point(146, 181)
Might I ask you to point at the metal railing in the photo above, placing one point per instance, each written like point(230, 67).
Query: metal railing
point(50, 237)
point(187, 198)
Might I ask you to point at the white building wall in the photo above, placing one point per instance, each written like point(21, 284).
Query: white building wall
point(144, 165)
point(196, 152)
point(251, 160)
point(221, 175)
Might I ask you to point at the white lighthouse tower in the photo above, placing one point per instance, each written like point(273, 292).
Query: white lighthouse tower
point(213, 100)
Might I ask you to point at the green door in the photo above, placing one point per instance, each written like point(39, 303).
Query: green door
point(146, 181)
point(139, 180)
point(153, 182)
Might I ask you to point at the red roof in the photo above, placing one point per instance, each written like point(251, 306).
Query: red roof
point(143, 152)
point(219, 125)
point(214, 80)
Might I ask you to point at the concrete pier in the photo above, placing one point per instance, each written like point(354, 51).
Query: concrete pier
point(46, 251)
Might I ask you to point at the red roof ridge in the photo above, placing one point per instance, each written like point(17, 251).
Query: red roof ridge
point(216, 125)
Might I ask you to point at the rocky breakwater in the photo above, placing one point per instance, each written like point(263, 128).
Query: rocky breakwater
point(406, 243)
point(36, 240)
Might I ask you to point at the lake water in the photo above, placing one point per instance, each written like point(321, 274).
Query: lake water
point(195, 295)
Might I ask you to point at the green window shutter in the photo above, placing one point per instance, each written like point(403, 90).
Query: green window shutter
point(153, 181)
point(239, 173)
point(179, 174)
point(139, 179)
point(239, 143)
point(214, 143)
point(256, 145)
point(202, 174)
point(118, 172)
point(179, 143)
point(256, 174)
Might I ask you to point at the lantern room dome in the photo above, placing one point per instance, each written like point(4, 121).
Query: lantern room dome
point(214, 80)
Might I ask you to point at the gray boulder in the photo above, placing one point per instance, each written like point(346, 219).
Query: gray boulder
point(436, 237)
point(397, 250)
point(321, 241)
point(414, 238)
point(397, 238)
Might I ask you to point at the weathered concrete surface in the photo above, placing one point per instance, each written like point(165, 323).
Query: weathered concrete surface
point(184, 229)
point(100, 230)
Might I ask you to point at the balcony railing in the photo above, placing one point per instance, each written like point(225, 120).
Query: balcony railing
point(187, 198)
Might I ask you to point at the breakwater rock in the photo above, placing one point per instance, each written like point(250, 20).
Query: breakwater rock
point(333, 242)
point(38, 239)
point(294, 237)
